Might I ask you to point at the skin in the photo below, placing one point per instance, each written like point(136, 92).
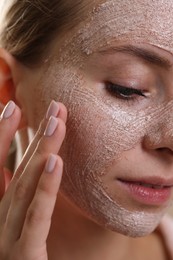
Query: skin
point(138, 24)
point(90, 194)
point(88, 74)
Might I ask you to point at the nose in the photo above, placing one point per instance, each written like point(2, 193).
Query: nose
point(159, 136)
point(160, 139)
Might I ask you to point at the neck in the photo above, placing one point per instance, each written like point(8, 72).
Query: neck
point(73, 236)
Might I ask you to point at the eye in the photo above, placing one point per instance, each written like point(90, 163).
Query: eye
point(122, 92)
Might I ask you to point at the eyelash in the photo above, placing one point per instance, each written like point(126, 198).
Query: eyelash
point(123, 92)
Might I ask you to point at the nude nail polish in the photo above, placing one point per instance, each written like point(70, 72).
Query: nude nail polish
point(50, 164)
point(53, 109)
point(8, 110)
point(51, 126)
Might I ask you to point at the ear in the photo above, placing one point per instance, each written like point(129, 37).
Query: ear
point(7, 87)
point(8, 80)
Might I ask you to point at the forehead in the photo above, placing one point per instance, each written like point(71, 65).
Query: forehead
point(144, 21)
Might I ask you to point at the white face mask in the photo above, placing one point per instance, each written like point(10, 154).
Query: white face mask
point(100, 135)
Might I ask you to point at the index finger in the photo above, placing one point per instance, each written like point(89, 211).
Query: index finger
point(55, 109)
point(9, 122)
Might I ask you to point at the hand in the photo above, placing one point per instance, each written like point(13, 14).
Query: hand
point(28, 199)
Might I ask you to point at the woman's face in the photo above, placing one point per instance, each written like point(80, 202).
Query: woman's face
point(114, 73)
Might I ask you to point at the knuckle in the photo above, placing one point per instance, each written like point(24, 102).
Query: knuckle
point(47, 190)
point(33, 217)
point(21, 190)
point(43, 187)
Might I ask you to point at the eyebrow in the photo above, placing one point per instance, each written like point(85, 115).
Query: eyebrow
point(146, 55)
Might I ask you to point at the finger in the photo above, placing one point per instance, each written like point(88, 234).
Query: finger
point(6, 200)
point(38, 218)
point(27, 183)
point(55, 109)
point(9, 123)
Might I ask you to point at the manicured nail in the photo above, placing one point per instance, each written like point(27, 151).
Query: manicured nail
point(53, 109)
point(8, 110)
point(50, 164)
point(51, 126)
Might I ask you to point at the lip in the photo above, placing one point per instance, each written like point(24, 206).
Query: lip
point(153, 180)
point(150, 191)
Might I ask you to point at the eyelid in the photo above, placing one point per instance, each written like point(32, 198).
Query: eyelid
point(125, 83)
point(123, 86)
point(134, 90)
point(115, 88)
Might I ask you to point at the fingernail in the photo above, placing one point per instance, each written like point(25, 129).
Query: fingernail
point(51, 126)
point(53, 109)
point(50, 164)
point(8, 110)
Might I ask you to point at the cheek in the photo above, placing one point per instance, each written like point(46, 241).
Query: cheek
point(97, 135)
point(97, 132)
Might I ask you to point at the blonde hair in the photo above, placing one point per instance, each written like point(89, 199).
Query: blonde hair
point(29, 25)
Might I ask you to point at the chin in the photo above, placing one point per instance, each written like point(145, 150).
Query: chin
point(133, 231)
point(108, 214)
point(131, 222)
point(128, 223)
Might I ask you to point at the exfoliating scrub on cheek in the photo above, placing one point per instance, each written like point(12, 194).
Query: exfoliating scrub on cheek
point(100, 130)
